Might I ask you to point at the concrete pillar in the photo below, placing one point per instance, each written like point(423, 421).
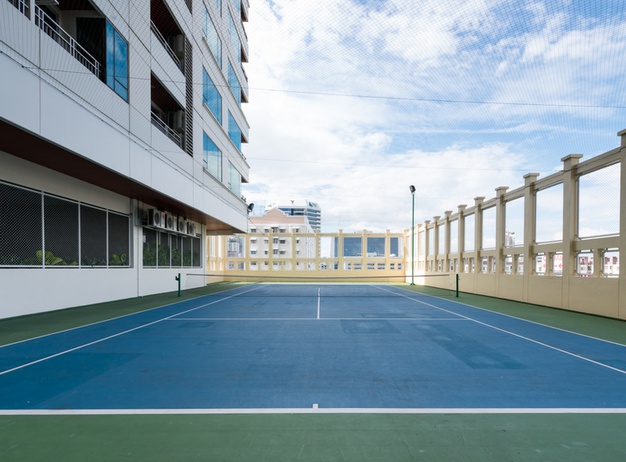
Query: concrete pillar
point(478, 233)
point(530, 219)
point(426, 245)
point(570, 222)
point(446, 244)
point(436, 255)
point(500, 226)
point(461, 236)
point(622, 227)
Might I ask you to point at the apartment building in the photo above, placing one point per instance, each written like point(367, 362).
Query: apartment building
point(121, 132)
point(299, 208)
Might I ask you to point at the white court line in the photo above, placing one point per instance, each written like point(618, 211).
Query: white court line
point(319, 295)
point(320, 319)
point(311, 410)
point(117, 335)
point(552, 347)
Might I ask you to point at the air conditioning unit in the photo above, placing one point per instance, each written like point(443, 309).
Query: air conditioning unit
point(191, 228)
point(178, 121)
point(182, 225)
point(156, 218)
point(170, 221)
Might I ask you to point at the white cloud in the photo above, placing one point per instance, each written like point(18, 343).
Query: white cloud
point(323, 129)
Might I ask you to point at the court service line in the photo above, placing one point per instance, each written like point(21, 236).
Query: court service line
point(319, 301)
point(311, 410)
point(80, 347)
point(523, 337)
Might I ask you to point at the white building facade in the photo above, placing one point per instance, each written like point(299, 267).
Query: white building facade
point(299, 208)
point(121, 131)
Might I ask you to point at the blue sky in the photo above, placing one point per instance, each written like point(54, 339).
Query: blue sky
point(351, 101)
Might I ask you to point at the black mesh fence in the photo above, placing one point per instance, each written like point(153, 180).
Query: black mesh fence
point(39, 229)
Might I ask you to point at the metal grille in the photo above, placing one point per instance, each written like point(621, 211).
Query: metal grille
point(39, 229)
point(164, 250)
point(93, 238)
point(119, 237)
point(20, 226)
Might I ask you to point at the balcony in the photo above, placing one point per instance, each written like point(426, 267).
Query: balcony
point(51, 28)
point(167, 113)
point(166, 129)
point(166, 29)
point(168, 48)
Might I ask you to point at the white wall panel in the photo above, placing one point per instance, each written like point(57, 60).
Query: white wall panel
point(28, 291)
point(19, 95)
point(82, 132)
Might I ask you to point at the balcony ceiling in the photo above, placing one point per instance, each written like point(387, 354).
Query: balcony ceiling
point(82, 5)
point(163, 19)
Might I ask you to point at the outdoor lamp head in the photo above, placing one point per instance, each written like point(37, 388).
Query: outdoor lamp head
point(250, 207)
point(412, 189)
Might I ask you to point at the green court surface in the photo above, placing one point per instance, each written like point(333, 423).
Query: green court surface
point(313, 436)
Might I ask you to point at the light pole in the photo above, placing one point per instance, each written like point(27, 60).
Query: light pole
point(412, 189)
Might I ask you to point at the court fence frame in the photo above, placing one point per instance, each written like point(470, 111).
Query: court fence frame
point(560, 273)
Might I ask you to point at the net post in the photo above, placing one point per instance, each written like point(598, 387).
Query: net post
point(457, 286)
point(178, 279)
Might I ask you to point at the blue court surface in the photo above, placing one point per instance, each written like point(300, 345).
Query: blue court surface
point(314, 347)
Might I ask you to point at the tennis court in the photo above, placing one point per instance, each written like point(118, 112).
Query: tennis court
point(321, 351)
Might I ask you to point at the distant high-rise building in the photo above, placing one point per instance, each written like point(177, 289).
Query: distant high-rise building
point(305, 208)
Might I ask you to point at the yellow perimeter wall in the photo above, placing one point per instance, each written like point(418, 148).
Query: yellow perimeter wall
point(578, 272)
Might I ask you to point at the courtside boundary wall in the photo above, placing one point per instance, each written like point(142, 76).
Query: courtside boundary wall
point(280, 255)
point(578, 271)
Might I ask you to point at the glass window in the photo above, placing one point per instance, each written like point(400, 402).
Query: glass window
point(234, 179)
point(116, 61)
point(211, 36)
point(211, 96)
point(235, 43)
point(233, 83)
point(212, 157)
point(234, 132)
